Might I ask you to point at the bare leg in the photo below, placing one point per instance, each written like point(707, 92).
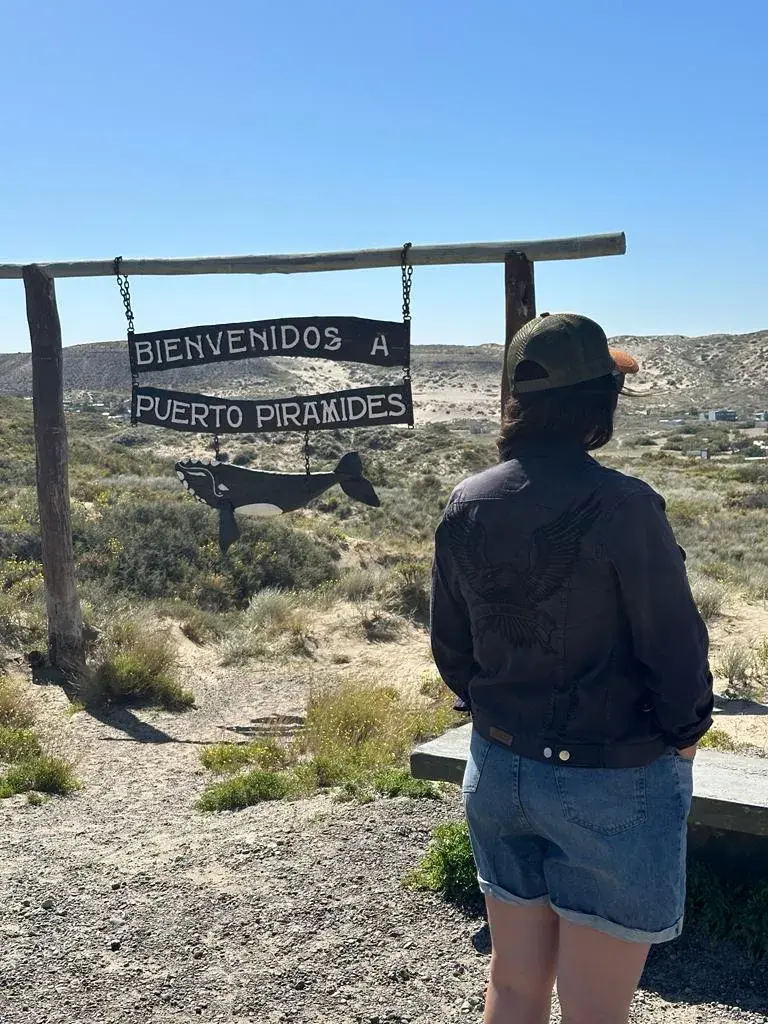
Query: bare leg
point(522, 964)
point(597, 975)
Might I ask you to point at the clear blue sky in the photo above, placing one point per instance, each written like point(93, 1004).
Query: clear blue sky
point(165, 128)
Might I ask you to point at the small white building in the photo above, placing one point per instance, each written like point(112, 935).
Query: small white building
point(719, 416)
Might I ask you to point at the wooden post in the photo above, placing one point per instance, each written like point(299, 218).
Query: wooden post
point(65, 623)
point(520, 299)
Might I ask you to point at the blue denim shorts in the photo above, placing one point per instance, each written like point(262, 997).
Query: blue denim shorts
point(605, 847)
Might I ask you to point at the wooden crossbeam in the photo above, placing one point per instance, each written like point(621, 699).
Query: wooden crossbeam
point(65, 630)
point(581, 247)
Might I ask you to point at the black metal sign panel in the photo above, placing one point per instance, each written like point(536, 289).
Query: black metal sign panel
point(347, 338)
point(358, 407)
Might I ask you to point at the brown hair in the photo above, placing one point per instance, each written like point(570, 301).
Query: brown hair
point(581, 414)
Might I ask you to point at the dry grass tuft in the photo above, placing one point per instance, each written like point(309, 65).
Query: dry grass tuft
point(139, 667)
point(356, 738)
point(16, 708)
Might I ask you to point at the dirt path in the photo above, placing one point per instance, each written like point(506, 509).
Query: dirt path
point(125, 904)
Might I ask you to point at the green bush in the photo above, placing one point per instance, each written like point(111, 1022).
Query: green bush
point(159, 546)
point(18, 744)
point(227, 758)
point(399, 782)
point(684, 511)
point(448, 868)
point(43, 774)
point(139, 667)
point(718, 739)
point(724, 910)
point(242, 791)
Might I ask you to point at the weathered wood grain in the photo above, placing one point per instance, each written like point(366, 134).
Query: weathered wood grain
point(520, 306)
point(65, 624)
point(581, 247)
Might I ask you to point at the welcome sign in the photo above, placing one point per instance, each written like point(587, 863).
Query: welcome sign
point(347, 338)
point(340, 338)
point(357, 407)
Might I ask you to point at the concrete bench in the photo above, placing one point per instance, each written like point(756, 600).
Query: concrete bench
point(728, 826)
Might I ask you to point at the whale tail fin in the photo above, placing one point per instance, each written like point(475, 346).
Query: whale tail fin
point(352, 481)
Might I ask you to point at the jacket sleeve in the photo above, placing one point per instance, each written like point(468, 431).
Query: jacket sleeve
point(450, 630)
point(668, 634)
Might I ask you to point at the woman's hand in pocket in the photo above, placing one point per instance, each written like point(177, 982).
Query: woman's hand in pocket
point(689, 752)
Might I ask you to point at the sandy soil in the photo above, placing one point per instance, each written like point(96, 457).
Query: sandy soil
point(125, 904)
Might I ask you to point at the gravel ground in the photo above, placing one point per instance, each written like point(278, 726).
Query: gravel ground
point(125, 904)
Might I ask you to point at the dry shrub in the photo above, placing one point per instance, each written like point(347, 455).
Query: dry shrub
point(139, 667)
point(357, 737)
point(276, 623)
point(360, 584)
point(273, 609)
point(408, 590)
point(709, 596)
point(381, 627)
point(16, 708)
point(241, 646)
point(743, 667)
point(22, 623)
point(354, 727)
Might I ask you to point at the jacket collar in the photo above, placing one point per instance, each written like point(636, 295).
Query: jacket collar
point(546, 449)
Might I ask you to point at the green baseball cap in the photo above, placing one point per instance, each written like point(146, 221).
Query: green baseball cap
point(562, 349)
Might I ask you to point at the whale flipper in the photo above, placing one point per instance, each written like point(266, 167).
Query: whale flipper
point(229, 531)
point(352, 481)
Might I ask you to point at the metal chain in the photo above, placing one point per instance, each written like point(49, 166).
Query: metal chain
point(125, 293)
point(306, 452)
point(407, 270)
point(407, 274)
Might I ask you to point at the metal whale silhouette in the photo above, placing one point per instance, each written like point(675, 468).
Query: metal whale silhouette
point(254, 492)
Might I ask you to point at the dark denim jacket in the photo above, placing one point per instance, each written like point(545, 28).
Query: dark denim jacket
point(561, 612)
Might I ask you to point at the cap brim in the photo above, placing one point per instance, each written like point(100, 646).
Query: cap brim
point(623, 361)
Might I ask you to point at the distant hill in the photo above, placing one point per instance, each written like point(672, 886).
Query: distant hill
point(453, 379)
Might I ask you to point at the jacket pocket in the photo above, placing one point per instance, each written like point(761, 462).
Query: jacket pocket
point(607, 801)
point(478, 752)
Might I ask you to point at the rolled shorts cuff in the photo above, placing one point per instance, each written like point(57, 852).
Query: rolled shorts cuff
point(489, 889)
point(619, 931)
point(600, 924)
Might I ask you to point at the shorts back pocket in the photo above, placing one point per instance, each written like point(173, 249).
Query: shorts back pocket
point(603, 800)
point(478, 752)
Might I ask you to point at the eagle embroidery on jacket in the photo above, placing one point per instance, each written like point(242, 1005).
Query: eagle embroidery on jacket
point(506, 598)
